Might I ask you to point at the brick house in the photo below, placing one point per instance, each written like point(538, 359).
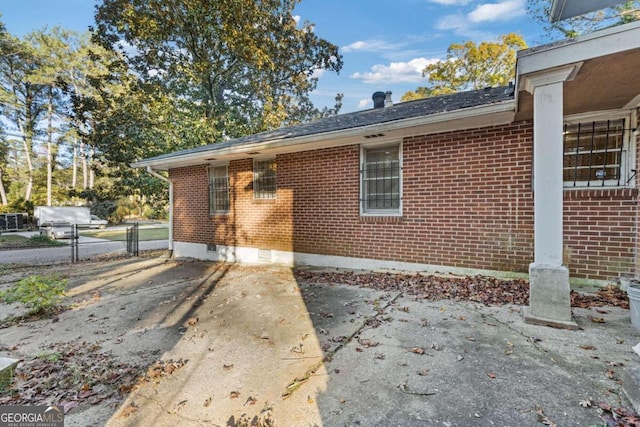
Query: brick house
point(538, 177)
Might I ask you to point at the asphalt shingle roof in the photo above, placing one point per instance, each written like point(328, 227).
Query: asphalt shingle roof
point(374, 116)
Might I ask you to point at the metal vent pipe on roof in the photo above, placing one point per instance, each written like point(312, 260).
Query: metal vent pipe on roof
point(387, 100)
point(378, 99)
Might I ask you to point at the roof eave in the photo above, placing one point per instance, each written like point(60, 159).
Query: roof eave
point(505, 109)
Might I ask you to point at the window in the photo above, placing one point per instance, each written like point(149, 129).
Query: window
point(218, 189)
point(380, 180)
point(264, 179)
point(596, 154)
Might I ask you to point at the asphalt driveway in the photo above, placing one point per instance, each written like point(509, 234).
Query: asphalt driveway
point(252, 344)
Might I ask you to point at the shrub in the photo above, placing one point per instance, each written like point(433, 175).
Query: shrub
point(43, 239)
point(38, 293)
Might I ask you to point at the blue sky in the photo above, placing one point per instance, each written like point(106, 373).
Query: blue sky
point(385, 43)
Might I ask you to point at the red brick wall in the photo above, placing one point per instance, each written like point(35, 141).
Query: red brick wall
point(467, 202)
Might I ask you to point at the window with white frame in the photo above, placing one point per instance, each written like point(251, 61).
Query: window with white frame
point(264, 179)
point(218, 189)
point(381, 180)
point(597, 153)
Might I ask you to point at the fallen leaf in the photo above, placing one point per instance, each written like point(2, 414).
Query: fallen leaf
point(250, 401)
point(359, 350)
point(417, 350)
point(424, 372)
point(234, 394)
point(130, 409)
point(470, 338)
point(368, 343)
point(587, 347)
point(586, 403)
point(598, 320)
point(227, 367)
point(460, 358)
point(309, 399)
point(342, 400)
point(207, 402)
point(192, 321)
point(492, 376)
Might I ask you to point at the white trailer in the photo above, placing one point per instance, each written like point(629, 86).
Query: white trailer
point(62, 214)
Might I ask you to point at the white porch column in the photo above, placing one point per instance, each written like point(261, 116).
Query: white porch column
point(549, 294)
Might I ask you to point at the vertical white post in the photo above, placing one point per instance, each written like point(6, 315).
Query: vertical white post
point(547, 181)
point(549, 292)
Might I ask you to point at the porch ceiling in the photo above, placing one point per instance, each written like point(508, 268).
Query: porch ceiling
point(604, 83)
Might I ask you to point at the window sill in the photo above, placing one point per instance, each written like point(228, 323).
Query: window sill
point(381, 218)
point(265, 201)
point(571, 193)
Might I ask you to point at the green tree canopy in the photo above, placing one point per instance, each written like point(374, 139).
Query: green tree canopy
point(231, 67)
point(470, 66)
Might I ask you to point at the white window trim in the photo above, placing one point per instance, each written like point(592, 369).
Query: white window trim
point(211, 166)
point(628, 161)
point(385, 212)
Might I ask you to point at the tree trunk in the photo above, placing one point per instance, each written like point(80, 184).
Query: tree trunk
point(92, 173)
point(85, 176)
point(74, 164)
point(49, 147)
point(27, 142)
point(3, 193)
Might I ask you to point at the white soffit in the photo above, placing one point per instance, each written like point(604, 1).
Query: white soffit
point(565, 9)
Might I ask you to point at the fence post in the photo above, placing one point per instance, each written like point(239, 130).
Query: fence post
point(74, 243)
point(132, 240)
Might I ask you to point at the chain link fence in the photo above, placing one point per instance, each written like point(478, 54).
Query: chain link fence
point(29, 249)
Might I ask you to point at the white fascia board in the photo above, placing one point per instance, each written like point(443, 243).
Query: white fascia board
point(331, 139)
point(582, 48)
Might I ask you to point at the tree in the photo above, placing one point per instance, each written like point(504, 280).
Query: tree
point(228, 67)
point(572, 27)
point(23, 102)
point(419, 93)
point(470, 66)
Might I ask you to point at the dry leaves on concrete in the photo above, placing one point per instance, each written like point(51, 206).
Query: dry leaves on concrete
point(618, 417)
point(69, 374)
point(611, 296)
point(482, 289)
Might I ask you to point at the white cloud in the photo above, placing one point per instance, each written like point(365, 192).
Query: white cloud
point(395, 72)
point(461, 26)
point(363, 103)
point(500, 11)
point(450, 2)
point(296, 18)
point(452, 22)
point(369, 46)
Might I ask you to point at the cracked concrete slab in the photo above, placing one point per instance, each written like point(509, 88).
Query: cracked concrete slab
point(262, 346)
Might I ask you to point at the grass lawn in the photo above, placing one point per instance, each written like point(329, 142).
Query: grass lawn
point(12, 240)
point(17, 241)
point(143, 234)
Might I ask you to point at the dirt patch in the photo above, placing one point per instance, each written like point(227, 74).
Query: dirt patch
point(120, 316)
